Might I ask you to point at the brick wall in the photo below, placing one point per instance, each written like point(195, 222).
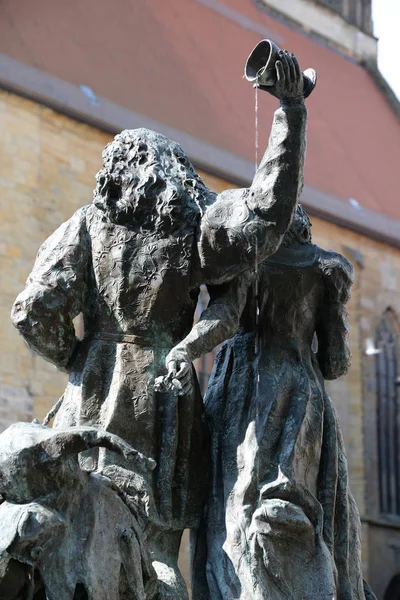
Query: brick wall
point(47, 169)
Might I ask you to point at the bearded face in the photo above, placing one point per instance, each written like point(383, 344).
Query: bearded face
point(146, 176)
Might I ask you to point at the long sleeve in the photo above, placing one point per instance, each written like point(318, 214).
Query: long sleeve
point(243, 227)
point(219, 321)
point(55, 291)
point(332, 330)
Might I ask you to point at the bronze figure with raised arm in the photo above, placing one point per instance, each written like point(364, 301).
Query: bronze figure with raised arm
point(281, 520)
point(132, 262)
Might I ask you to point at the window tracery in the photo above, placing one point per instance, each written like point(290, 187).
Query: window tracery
point(388, 413)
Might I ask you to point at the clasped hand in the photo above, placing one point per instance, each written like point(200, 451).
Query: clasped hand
point(179, 378)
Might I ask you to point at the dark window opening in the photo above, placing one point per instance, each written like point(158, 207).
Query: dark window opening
point(355, 13)
point(388, 416)
point(393, 590)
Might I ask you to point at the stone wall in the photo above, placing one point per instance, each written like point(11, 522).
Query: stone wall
point(376, 288)
point(47, 168)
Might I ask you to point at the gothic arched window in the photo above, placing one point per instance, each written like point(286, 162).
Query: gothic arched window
point(356, 12)
point(388, 413)
point(393, 590)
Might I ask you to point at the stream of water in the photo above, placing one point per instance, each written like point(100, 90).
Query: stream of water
point(256, 288)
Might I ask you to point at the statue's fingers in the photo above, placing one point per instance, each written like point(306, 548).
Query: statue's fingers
point(159, 383)
point(297, 71)
point(186, 389)
point(172, 368)
point(144, 461)
point(177, 385)
point(292, 69)
point(280, 74)
point(184, 368)
point(285, 64)
point(187, 378)
point(129, 452)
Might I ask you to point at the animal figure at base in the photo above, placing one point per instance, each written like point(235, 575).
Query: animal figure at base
point(67, 534)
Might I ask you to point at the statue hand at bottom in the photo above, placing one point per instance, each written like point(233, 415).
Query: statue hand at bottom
point(179, 367)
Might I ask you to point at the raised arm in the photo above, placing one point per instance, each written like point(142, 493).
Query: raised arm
point(243, 227)
point(218, 322)
point(332, 330)
point(54, 293)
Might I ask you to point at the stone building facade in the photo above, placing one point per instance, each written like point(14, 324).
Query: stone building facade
point(50, 149)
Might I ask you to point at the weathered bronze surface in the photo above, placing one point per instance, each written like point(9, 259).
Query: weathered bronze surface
point(281, 520)
point(132, 263)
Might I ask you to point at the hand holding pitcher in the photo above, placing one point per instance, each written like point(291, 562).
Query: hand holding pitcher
point(277, 71)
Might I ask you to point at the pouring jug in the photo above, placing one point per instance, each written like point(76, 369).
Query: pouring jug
point(260, 68)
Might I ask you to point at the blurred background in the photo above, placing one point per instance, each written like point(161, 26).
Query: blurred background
point(72, 74)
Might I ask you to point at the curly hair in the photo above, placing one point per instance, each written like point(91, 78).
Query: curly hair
point(148, 180)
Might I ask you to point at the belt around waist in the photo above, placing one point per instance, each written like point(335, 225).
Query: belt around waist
point(122, 338)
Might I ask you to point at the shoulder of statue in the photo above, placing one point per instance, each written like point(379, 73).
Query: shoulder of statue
point(79, 218)
point(228, 211)
point(337, 271)
point(334, 262)
point(82, 212)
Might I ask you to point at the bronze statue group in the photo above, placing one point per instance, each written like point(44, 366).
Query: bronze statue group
point(257, 470)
